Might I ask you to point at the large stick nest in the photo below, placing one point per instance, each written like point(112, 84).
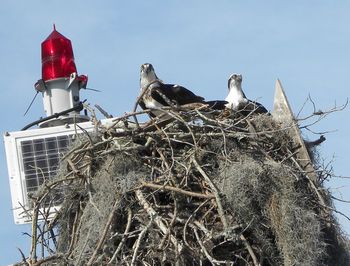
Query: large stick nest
point(207, 188)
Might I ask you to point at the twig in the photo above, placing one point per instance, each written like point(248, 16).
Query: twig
point(24, 260)
point(166, 236)
point(74, 231)
point(250, 249)
point(215, 191)
point(47, 259)
point(339, 212)
point(107, 115)
point(122, 241)
point(138, 241)
point(193, 224)
point(158, 221)
point(341, 200)
point(104, 233)
point(189, 219)
point(206, 253)
point(33, 255)
point(178, 190)
point(83, 249)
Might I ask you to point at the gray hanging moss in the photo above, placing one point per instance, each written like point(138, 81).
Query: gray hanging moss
point(205, 189)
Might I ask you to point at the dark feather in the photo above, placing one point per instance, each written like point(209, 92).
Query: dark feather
point(217, 105)
point(180, 94)
point(156, 94)
point(170, 94)
point(143, 106)
point(176, 94)
point(252, 107)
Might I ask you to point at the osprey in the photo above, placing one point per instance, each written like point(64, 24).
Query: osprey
point(237, 100)
point(156, 94)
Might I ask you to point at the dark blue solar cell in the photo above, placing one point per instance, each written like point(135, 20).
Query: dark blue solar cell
point(63, 142)
point(27, 148)
point(39, 147)
point(53, 160)
point(51, 145)
point(41, 161)
point(29, 166)
point(31, 182)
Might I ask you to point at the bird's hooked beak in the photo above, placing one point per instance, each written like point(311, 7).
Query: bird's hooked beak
point(147, 75)
point(147, 68)
point(235, 79)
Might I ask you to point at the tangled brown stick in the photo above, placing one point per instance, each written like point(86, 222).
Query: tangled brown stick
point(169, 204)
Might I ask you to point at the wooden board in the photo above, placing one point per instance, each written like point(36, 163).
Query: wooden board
point(283, 114)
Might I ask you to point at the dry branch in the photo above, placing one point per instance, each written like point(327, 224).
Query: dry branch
point(204, 187)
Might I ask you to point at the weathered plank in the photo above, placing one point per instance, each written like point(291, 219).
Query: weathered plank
point(283, 113)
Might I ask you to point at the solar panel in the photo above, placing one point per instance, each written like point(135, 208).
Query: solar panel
point(41, 161)
point(33, 156)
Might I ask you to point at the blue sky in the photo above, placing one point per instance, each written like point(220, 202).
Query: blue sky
point(198, 44)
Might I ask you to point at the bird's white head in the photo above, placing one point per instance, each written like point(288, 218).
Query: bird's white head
point(147, 75)
point(234, 81)
point(235, 95)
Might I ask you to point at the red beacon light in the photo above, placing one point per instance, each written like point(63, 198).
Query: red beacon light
point(57, 57)
point(60, 83)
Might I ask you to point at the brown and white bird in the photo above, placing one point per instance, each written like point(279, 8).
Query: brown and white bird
point(156, 94)
point(237, 100)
